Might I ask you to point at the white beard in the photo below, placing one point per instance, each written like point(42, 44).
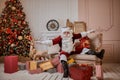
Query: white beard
point(67, 44)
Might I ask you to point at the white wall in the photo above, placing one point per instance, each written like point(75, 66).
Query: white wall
point(39, 12)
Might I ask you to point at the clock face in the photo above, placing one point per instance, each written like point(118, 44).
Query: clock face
point(52, 25)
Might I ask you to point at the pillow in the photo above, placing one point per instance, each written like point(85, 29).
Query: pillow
point(83, 43)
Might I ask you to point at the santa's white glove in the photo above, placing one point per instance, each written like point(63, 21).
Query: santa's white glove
point(86, 33)
point(90, 31)
point(46, 42)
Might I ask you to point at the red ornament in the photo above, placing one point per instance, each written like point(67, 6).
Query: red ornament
point(4, 20)
point(24, 22)
point(6, 2)
point(21, 15)
point(8, 31)
point(11, 51)
point(29, 38)
point(15, 20)
point(11, 41)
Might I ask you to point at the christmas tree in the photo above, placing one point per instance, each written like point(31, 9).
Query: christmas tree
point(15, 34)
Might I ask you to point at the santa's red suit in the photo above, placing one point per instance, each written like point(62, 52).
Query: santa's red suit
point(68, 48)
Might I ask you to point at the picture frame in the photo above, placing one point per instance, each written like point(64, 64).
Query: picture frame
point(79, 26)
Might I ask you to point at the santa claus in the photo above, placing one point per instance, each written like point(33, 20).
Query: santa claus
point(66, 42)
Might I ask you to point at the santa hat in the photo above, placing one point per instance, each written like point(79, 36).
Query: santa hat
point(66, 29)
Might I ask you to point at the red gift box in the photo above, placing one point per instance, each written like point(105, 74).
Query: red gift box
point(10, 64)
point(27, 65)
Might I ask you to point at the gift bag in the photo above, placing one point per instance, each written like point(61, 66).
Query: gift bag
point(78, 72)
point(99, 72)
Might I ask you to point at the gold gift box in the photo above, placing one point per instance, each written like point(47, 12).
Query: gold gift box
point(33, 65)
point(46, 65)
point(70, 61)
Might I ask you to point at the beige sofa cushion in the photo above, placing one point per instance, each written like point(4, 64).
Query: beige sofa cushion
point(84, 57)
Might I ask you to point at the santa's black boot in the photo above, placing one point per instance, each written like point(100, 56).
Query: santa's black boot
point(98, 54)
point(65, 68)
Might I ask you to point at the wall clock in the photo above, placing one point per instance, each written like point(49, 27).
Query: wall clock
point(52, 25)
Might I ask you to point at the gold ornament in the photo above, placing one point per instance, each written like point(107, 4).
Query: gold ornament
point(21, 15)
point(4, 20)
point(12, 45)
point(9, 6)
point(20, 37)
point(13, 8)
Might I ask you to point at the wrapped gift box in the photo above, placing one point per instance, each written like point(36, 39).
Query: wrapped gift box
point(35, 71)
point(21, 66)
point(55, 61)
point(46, 65)
point(10, 64)
point(28, 65)
point(39, 62)
point(60, 68)
point(70, 61)
point(33, 65)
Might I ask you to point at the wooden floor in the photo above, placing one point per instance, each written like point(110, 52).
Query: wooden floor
point(111, 72)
